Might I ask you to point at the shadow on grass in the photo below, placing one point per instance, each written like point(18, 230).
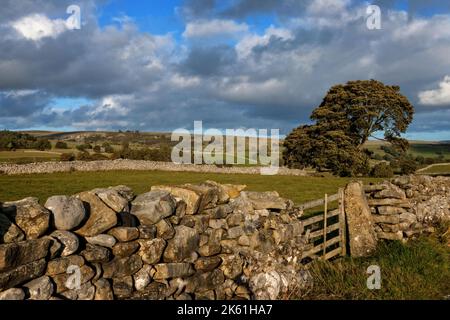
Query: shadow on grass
point(417, 270)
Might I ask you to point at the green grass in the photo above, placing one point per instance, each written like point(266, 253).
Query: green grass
point(424, 149)
point(30, 156)
point(26, 156)
point(429, 150)
point(419, 269)
point(437, 169)
point(299, 189)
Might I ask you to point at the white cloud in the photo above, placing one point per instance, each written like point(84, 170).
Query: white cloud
point(328, 7)
point(101, 125)
point(20, 93)
point(243, 90)
point(115, 104)
point(212, 28)
point(329, 14)
point(437, 97)
point(433, 30)
point(36, 26)
point(270, 78)
point(181, 81)
point(245, 46)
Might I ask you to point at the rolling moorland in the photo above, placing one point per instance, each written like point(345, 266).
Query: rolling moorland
point(105, 145)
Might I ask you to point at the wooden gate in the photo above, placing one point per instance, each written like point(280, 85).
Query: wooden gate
point(325, 231)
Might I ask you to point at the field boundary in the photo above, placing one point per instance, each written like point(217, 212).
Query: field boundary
point(133, 165)
point(326, 232)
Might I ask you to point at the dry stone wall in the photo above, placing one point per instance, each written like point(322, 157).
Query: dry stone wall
point(407, 206)
point(137, 165)
point(192, 241)
point(204, 241)
point(362, 238)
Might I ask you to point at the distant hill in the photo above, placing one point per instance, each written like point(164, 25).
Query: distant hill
point(136, 136)
point(81, 136)
point(427, 149)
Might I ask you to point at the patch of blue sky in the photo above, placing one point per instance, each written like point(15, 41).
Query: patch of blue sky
point(160, 17)
point(429, 136)
point(155, 16)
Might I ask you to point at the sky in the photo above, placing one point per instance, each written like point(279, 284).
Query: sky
point(159, 65)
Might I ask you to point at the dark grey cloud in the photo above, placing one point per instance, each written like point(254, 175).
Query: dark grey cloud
point(82, 62)
point(198, 8)
point(22, 103)
point(270, 79)
point(244, 8)
point(432, 122)
point(239, 9)
point(209, 61)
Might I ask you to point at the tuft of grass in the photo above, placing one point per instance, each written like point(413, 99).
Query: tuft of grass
point(417, 270)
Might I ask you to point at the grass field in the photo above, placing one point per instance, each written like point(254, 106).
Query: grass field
point(437, 169)
point(138, 140)
point(417, 148)
point(21, 156)
point(30, 156)
point(419, 269)
point(299, 189)
point(429, 150)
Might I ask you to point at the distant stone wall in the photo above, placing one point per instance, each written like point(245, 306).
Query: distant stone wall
point(410, 205)
point(204, 241)
point(111, 165)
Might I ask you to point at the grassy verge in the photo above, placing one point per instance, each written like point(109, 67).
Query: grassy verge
point(419, 269)
point(299, 189)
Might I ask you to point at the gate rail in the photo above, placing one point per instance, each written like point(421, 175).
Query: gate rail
point(326, 232)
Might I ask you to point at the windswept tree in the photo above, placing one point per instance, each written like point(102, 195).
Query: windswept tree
point(348, 116)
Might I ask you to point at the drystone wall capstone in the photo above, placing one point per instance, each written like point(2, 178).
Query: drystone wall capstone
point(202, 241)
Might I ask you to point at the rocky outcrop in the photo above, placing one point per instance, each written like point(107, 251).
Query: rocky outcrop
point(193, 241)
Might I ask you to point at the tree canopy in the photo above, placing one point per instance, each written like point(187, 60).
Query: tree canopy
point(10, 140)
point(347, 117)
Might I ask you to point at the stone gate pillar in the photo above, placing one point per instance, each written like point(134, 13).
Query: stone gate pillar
point(361, 232)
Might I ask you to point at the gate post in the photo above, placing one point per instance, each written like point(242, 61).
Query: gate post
point(325, 218)
point(342, 223)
